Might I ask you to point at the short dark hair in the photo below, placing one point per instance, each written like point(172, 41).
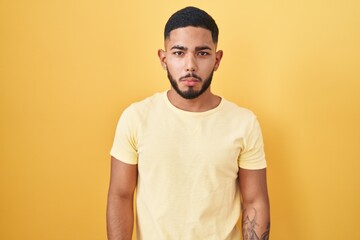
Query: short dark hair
point(192, 16)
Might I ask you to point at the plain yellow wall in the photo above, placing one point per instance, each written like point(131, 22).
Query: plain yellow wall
point(69, 68)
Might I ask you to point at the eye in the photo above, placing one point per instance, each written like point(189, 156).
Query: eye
point(203, 53)
point(178, 53)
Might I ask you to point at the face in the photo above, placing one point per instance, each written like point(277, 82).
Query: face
point(190, 59)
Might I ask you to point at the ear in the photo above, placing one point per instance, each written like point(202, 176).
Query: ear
point(162, 58)
point(218, 57)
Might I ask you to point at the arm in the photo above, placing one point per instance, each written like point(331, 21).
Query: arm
point(120, 214)
point(255, 204)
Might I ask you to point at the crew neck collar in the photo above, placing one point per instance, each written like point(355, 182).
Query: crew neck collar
point(180, 111)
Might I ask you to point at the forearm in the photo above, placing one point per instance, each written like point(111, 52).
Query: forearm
point(256, 220)
point(120, 218)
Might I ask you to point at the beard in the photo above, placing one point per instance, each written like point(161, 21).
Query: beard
point(190, 93)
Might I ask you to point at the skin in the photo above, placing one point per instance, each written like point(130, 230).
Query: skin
point(191, 50)
point(188, 50)
point(254, 204)
point(120, 215)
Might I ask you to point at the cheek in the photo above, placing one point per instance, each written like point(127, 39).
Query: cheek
point(174, 63)
point(174, 68)
point(208, 66)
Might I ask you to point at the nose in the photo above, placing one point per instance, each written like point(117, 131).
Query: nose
point(191, 63)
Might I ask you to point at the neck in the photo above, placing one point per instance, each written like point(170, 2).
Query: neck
point(204, 102)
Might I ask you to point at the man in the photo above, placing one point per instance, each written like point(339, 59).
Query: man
point(192, 156)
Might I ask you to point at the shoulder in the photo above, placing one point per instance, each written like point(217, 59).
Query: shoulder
point(143, 107)
point(237, 112)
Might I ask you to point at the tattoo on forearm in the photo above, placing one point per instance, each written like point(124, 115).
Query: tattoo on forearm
point(249, 225)
point(265, 235)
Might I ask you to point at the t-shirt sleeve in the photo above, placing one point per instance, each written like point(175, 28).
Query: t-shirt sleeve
point(252, 155)
point(124, 146)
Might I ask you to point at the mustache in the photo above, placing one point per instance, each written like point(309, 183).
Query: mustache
point(192, 75)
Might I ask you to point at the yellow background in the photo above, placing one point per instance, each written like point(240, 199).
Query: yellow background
point(69, 68)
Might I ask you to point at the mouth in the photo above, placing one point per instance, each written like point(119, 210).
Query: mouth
point(190, 81)
point(191, 77)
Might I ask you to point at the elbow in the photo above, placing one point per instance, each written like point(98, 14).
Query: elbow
point(255, 202)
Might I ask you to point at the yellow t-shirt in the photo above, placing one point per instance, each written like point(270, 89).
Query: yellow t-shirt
point(188, 166)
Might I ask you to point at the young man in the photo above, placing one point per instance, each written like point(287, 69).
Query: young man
point(192, 156)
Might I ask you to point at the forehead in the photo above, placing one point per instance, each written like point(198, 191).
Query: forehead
point(189, 37)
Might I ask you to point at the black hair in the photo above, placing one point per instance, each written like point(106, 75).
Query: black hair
point(192, 16)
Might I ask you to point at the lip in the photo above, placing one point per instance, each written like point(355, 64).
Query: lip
point(190, 82)
point(190, 79)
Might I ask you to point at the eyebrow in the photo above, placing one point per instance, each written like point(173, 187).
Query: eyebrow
point(200, 48)
point(179, 47)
